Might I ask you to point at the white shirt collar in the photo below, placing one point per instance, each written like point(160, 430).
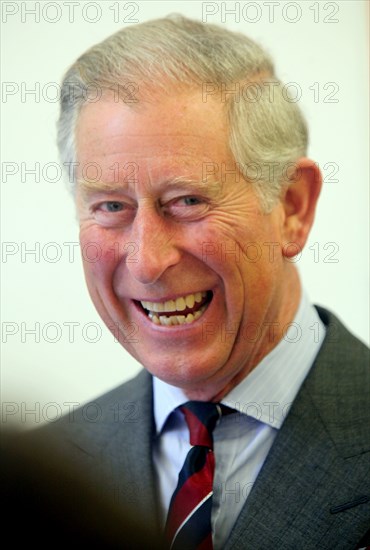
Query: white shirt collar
point(264, 394)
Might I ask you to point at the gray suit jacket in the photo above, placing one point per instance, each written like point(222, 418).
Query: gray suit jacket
point(313, 490)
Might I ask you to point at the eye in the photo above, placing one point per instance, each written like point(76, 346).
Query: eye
point(190, 201)
point(112, 206)
point(113, 213)
point(187, 207)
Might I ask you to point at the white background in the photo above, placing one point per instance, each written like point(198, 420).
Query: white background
point(38, 292)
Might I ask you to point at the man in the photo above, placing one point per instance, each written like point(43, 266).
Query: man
point(198, 200)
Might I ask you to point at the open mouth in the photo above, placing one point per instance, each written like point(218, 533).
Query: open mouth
point(183, 310)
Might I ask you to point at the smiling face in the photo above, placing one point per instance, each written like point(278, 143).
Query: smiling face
point(187, 271)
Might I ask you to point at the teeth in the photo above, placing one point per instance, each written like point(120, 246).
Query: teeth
point(165, 320)
point(176, 319)
point(175, 305)
point(190, 300)
point(180, 304)
point(154, 318)
point(167, 306)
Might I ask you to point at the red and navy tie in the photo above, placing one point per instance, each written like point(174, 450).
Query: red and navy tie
point(189, 518)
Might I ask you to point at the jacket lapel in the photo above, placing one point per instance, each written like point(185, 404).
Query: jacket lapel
point(115, 447)
point(129, 450)
point(317, 462)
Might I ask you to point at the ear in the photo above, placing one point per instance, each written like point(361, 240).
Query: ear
point(299, 203)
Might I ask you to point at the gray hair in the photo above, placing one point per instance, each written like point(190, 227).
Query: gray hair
point(267, 130)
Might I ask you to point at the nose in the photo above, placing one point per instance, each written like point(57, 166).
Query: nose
point(154, 246)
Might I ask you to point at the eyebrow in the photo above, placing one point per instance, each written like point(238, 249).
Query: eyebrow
point(212, 187)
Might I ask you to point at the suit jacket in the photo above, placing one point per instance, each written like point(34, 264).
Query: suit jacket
point(313, 490)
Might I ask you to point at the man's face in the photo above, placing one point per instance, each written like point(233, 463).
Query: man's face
point(173, 226)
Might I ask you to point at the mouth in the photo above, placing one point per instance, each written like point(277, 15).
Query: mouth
point(183, 310)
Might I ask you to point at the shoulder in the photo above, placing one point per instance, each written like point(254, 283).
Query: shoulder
point(92, 425)
point(342, 352)
point(337, 389)
point(337, 333)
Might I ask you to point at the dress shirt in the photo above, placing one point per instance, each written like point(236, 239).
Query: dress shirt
point(241, 440)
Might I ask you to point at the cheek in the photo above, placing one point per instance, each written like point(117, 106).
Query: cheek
point(227, 248)
point(99, 253)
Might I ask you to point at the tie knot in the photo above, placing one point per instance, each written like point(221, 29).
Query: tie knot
point(201, 418)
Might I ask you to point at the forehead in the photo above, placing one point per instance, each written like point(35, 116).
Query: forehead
point(174, 132)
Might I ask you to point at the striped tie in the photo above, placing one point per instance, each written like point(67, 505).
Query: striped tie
point(189, 518)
